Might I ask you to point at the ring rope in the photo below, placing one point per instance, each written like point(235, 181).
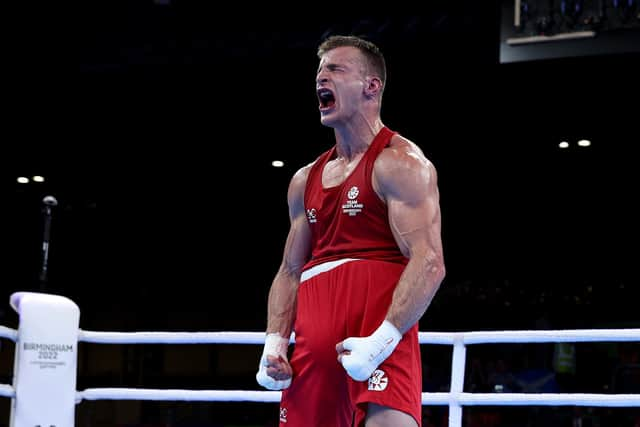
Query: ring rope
point(7, 391)
point(489, 337)
point(579, 335)
point(443, 399)
point(468, 399)
point(186, 395)
point(8, 333)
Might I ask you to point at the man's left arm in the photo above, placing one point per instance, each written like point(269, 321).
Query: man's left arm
point(412, 196)
point(407, 181)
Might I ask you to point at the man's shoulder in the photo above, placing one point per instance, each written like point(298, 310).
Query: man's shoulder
point(401, 167)
point(401, 149)
point(303, 172)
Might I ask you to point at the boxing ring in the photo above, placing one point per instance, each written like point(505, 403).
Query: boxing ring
point(44, 378)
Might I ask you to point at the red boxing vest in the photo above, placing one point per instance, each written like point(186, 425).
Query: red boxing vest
point(349, 220)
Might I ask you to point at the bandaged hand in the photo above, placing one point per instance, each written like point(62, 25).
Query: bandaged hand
point(274, 371)
point(361, 356)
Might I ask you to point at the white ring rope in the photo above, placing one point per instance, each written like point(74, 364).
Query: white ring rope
point(7, 391)
point(570, 335)
point(187, 395)
point(491, 337)
point(172, 337)
point(549, 399)
point(9, 333)
point(518, 399)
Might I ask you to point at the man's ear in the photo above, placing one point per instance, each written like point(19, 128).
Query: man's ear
point(373, 86)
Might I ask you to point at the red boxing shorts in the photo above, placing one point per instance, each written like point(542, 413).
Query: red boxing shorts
point(337, 300)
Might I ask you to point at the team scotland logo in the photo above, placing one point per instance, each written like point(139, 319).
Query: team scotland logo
point(351, 206)
point(353, 193)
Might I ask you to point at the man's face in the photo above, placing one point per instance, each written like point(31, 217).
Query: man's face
point(340, 85)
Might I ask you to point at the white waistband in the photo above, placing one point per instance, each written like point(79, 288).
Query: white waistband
point(321, 268)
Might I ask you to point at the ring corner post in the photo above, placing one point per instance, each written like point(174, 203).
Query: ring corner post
point(45, 366)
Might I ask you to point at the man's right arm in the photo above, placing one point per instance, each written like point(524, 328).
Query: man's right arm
point(283, 294)
point(274, 371)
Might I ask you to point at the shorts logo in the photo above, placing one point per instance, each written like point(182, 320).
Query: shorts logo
point(378, 381)
point(311, 215)
point(351, 205)
point(283, 415)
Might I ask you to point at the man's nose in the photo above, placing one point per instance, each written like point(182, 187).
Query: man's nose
point(321, 78)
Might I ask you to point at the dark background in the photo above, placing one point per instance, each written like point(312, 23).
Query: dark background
point(155, 126)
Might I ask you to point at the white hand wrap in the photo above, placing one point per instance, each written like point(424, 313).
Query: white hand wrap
point(274, 345)
point(369, 352)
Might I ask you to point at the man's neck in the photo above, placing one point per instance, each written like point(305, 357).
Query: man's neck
point(352, 140)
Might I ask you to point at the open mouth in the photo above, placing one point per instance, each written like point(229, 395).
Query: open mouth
point(326, 98)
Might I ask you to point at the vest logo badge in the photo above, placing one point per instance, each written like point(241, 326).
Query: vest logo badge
point(353, 193)
point(311, 215)
point(283, 415)
point(351, 206)
point(378, 381)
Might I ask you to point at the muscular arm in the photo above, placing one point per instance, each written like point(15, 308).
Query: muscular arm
point(283, 293)
point(408, 183)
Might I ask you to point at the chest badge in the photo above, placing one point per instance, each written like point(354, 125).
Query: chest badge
point(351, 206)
